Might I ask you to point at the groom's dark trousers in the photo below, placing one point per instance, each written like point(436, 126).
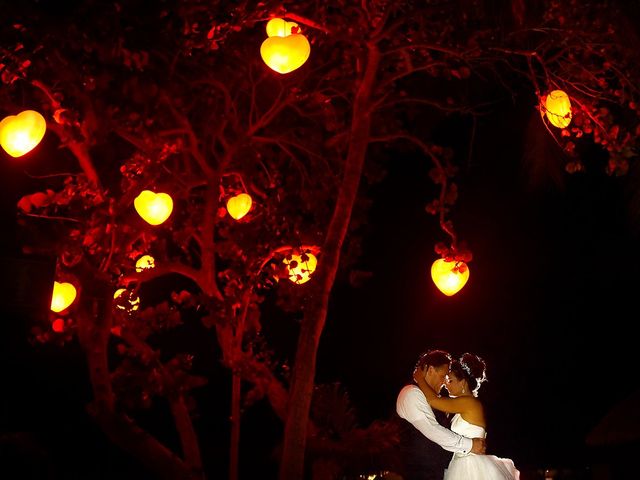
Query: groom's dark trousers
point(420, 458)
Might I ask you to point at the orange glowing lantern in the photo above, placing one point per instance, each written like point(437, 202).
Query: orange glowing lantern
point(154, 208)
point(450, 276)
point(279, 27)
point(63, 295)
point(239, 205)
point(285, 54)
point(145, 262)
point(19, 134)
point(134, 302)
point(300, 270)
point(557, 107)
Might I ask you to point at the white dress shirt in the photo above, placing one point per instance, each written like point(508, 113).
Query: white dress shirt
point(412, 405)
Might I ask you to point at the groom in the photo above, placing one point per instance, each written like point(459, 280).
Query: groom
point(423, 440)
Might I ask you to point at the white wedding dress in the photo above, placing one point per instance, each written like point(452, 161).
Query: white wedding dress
point(469, 466)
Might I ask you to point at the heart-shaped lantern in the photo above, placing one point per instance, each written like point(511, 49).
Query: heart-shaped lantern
point(19, 134)
point(279, 27)
point(154, 208)
point(557, 107)
point(285, 54)
point(450, 276)
point(63, 295)
point(239, 205)
point(300, 270)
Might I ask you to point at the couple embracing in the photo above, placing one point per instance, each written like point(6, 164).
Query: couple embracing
point(426, 446)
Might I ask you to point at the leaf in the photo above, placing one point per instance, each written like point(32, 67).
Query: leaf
point(34, 201)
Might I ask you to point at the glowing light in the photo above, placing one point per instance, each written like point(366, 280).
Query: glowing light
point(154, 208)
point(58, 325)
point(133, 301)
point(145, 262)
point(19, 134)
point(239, 205)
point(285, 54)
point(449, 277)
point(300, 270)
point(279, 27)
point(63, 295)
point(557, 107)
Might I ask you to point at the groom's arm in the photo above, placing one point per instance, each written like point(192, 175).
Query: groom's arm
point(413, 407)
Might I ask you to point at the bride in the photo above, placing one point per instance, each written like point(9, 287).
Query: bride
point(464, 380)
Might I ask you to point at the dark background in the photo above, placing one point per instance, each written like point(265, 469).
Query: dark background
point(550, 305)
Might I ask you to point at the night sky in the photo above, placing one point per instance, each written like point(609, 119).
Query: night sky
point(550, 302)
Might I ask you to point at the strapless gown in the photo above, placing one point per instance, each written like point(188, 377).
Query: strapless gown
point(477, 467)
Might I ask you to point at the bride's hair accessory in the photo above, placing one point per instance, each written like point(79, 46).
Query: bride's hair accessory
point(475, 371)
point(467, 369)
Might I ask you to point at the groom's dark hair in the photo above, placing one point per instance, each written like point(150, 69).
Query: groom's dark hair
point(434, 358)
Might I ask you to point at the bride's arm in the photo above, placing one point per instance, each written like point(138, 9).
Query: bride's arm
point(444, 404)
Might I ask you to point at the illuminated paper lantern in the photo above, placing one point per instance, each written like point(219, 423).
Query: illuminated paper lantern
point(63, 295)
point(144, 262)
point(154, 208)
point(134, 302)
point(285, 54)
point(557, 107)
point(449, 277)
point(19, 134)
point(300, 271)
point(279, 27)
point(239, 205)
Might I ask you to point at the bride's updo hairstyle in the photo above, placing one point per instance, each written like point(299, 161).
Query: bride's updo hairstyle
point(473, 369)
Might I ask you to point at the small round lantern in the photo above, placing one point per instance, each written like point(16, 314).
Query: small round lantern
point(145, 262)
point(134, 302)
point(557, 107)
point(300, 270)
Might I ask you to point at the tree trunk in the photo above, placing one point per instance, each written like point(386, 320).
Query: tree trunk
point(188, 437)
point(235, 426)
point(295, 434)
point(94, 323)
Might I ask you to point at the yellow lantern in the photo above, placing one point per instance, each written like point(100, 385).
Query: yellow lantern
point(144, 262)
point(557, 107)
point(239, 205)
point(19, 134)
point(450, 276)
point(133, 301)
point(285, 54)
point(63, 295)
point(154, 208)
point(279, 27)
point(300, 271)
